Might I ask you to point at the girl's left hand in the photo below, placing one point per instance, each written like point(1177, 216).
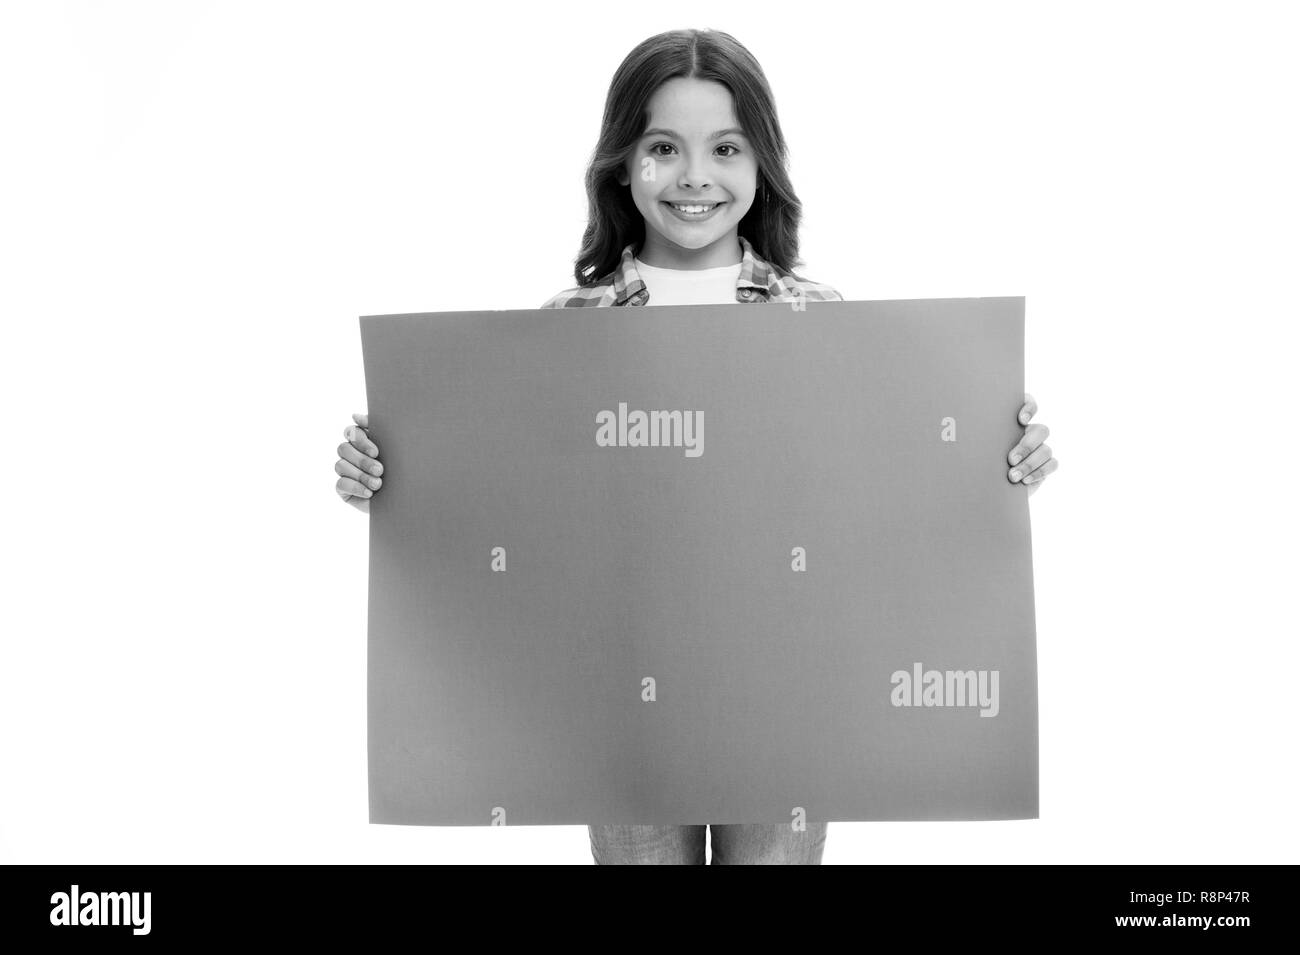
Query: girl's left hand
point(1031, 460)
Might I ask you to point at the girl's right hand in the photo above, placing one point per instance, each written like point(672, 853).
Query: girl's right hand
point(358, 465)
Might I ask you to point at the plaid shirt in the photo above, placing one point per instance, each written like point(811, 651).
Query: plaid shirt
point(758, 282)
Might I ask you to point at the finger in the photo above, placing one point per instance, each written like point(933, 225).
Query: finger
point(363, 505)
point(1038, 475)
point(361, 419)
point(361, 440)
point(349, 470)
point(350, 454)
point(1029, 409)
point(350, 488)
point(1041, 455)
point(1034, 435)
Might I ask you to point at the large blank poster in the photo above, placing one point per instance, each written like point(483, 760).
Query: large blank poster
point(700, 564)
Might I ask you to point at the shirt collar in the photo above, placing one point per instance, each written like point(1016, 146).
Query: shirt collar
point(756, 276)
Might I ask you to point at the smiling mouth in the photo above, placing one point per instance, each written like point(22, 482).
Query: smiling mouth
point(693, 210)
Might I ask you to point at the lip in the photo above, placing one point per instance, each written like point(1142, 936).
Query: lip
point(686, 217)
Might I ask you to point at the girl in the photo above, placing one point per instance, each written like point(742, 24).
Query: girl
point(689, 203)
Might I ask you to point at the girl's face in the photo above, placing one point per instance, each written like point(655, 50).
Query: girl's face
point(692, 153)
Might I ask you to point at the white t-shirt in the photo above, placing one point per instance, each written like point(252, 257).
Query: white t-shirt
point(690, 286)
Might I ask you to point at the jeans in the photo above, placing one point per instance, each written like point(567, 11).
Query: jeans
point(758, 844)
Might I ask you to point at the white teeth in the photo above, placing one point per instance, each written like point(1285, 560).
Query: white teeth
point(691, 209)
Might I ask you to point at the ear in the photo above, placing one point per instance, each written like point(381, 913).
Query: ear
point(623, 178)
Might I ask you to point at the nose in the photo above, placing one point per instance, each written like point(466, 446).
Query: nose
point(694, 174)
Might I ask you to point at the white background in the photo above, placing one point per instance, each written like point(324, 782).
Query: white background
point(201, 199)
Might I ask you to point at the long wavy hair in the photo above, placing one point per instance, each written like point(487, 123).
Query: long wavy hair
point(613, 221)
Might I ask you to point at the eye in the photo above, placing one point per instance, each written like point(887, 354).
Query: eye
point(656, 146)
point(729, 146)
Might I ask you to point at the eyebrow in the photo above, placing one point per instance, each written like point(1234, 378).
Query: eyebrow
point(668, 132)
